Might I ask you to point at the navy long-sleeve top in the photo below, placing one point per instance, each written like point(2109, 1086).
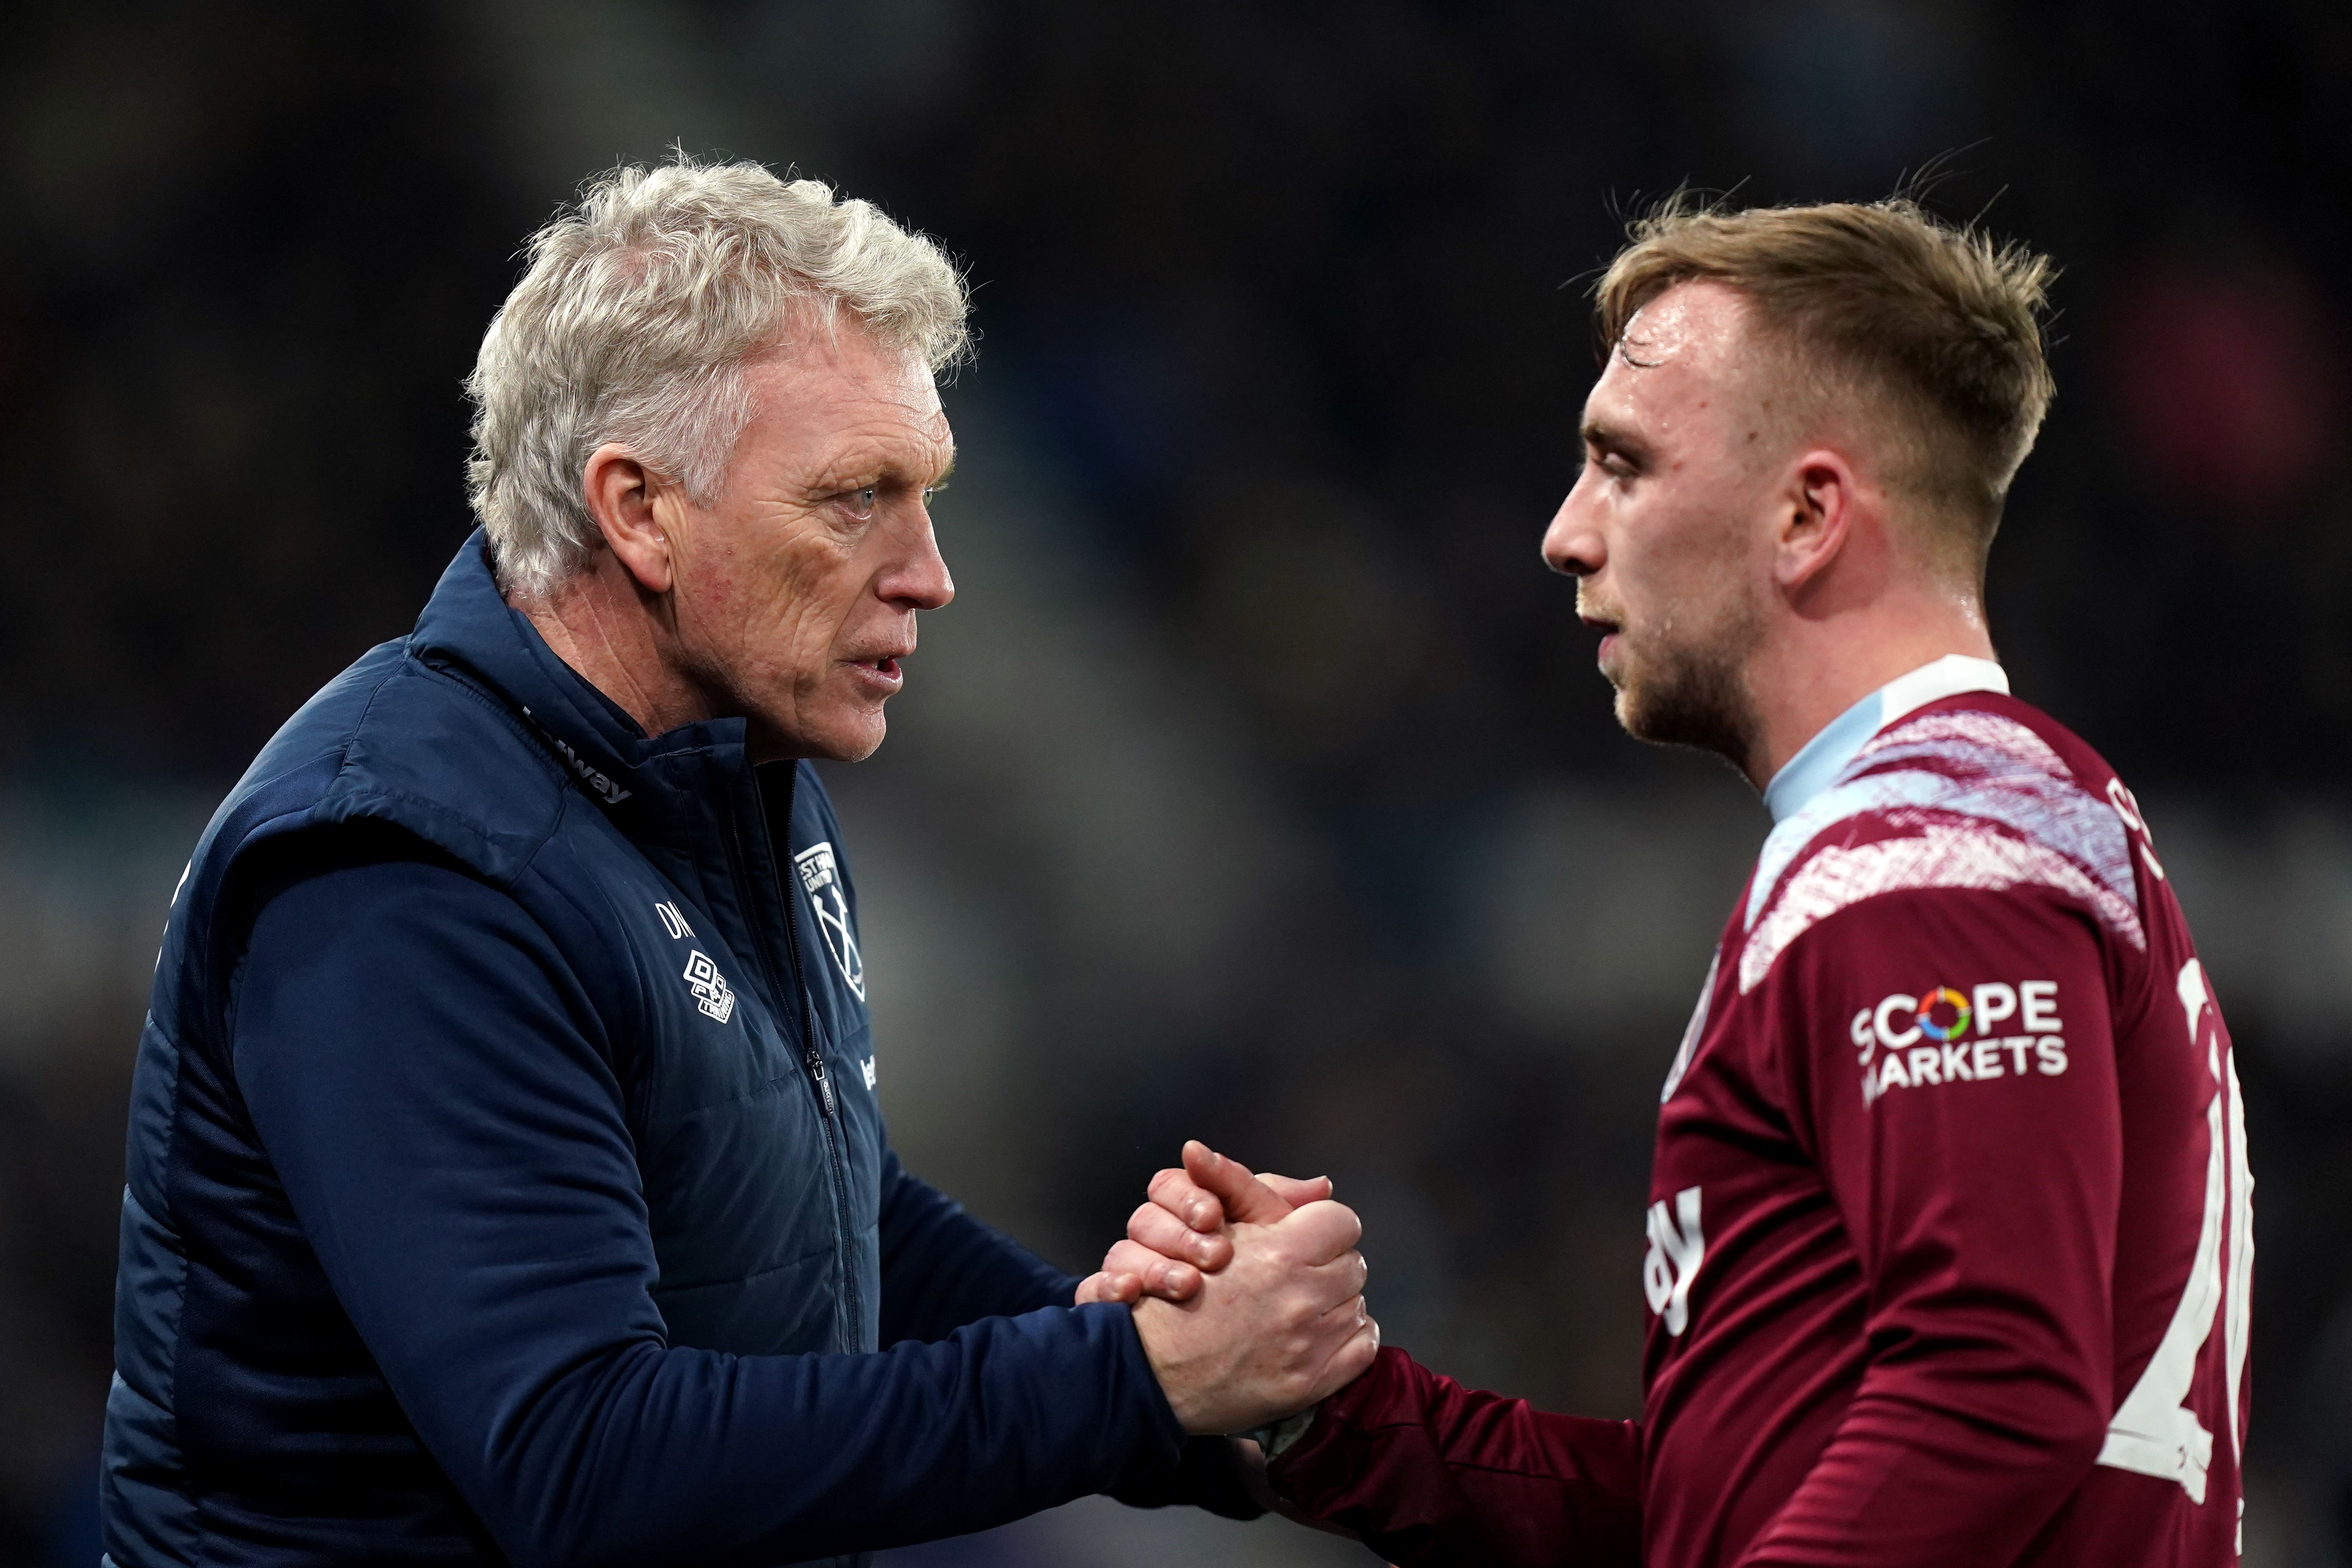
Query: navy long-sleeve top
point(445, 1130)
point(506, 1180)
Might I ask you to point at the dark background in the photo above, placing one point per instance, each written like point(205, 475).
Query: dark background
point(1259, 786)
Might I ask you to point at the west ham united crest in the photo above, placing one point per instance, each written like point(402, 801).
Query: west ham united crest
point(822, 878)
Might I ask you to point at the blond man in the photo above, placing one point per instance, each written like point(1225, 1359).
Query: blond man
point(1949, 1244)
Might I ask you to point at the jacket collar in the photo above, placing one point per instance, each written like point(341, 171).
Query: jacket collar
point(468, 626)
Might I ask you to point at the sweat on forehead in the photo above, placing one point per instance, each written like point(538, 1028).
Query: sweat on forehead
point(1701, 325)
point(1702, 339)
point(1684, 320)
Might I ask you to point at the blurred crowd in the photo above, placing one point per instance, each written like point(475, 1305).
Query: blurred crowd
point(1258, 786)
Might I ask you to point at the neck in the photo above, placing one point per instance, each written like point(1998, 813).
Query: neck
point(1810, 670)
point(618, 638)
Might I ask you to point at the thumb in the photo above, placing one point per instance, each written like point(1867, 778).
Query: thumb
point(1297, 1193)
point(1247, 1200)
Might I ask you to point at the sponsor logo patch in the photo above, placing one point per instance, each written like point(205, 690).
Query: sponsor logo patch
point(711, 992)
point(589, 774)
point(1944, 1034)
point(1677, 1247)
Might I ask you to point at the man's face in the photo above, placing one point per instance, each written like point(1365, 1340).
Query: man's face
point(796, 588)
point(1667, 528)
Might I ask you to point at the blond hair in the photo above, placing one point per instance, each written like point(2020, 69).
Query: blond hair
point(632, 323)
point(1930, 330)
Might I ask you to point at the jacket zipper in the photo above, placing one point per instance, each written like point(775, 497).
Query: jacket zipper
point(836, 1137)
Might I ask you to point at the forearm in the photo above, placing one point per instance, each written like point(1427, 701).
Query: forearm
point(658, 1455)
point(1431, 1474)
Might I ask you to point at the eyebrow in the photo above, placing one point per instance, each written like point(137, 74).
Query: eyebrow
point(874, 469)
point(1607, 437)
point(1624, 350)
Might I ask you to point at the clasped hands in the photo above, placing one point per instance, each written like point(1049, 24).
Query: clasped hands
point(1248, 1293)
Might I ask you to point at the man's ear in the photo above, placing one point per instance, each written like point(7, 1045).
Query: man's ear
point(621, 494)
point(1817, 518)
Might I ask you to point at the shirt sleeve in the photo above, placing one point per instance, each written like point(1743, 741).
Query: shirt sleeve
point(432, 1087)
point(1434, 1475)
point(1950, 1055)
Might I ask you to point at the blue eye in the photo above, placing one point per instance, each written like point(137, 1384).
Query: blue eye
point(860, 503)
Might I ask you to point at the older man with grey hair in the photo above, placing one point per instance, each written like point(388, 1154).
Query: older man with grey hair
point(506, 1179)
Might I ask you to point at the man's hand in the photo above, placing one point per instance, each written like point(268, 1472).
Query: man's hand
point(1271, 1333)
point(1278, 1321)
point(1181, 1234)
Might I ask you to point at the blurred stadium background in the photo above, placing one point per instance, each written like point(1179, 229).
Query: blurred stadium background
point(1259, 786)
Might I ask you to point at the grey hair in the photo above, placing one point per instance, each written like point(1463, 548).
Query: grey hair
point(641, 306)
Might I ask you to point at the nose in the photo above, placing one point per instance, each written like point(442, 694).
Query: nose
point(919, 579)
point(1572, 544)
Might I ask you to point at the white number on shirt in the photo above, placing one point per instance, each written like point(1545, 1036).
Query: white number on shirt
point(2155, 1433)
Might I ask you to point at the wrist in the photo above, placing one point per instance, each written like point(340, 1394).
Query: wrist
point(1276, 1437)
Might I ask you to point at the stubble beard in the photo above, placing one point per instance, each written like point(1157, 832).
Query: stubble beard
point(1690, 690)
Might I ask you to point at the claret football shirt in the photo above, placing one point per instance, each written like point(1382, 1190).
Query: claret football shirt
point(1949, 1251)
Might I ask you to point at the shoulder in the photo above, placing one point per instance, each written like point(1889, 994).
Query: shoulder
point(390, 743)
point(1975, 793)
point(365, 887)
point(456, 766)
point(394, 741)
point(370, 910)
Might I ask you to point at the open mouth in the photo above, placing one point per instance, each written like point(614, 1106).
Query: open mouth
point(1611, 633)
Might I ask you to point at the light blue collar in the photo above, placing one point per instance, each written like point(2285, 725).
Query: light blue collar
point(1823, 757)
